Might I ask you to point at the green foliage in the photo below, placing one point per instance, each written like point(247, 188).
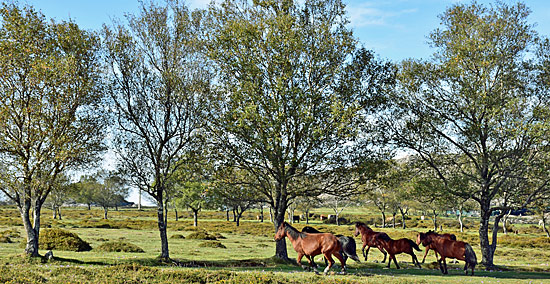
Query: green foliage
point(58, 239)
point(212, 244)
point(118, 246)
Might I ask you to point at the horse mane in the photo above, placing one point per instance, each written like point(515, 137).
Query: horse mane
point(293, 232)
point(383, 236)
point(361, 224)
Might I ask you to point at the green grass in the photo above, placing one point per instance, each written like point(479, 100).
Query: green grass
point(247, 257)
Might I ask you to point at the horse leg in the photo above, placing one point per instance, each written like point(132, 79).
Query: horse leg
point(415, 260)
point(466, 267)
point(330, 262)
point(425, 254)
point(444, 265)
point(342, 260)
point(394, 260)
point(363, 250)
point(383, 252)
point(312, 263)
point(299, 261)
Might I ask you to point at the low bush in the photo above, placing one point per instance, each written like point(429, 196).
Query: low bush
point(212, 244)
point(201, 235)
point(177, 236)
point(119, 246)
point(62, 240)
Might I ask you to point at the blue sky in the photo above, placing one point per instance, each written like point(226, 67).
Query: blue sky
point(395, 30)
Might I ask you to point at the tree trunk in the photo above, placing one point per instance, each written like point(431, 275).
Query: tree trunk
point(89, 206)
point(162, 229)
point(383, 219)
point(403, 214)
point(227, 214)
point(393, 219)
point(234, 215)
point(435, 220)
point(460, 221)
point(505, 222)
point(195, 217)
point(54, 209)
point(59, 212)
point(279, 209)
point(487, 249)
point(139, 199)
point(307, 216)
point(176, 212)
point(31, 248)
point(105, 210)
point(262, 213)
point(543, 219)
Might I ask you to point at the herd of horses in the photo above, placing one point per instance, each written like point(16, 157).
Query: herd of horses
point(310, 242)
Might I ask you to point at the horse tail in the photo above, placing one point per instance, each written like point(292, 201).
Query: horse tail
point(349, 247)
point(414, 245)
point(470, 255)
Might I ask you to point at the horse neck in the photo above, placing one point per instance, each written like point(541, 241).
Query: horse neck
point(292, 234)
point(365, 230)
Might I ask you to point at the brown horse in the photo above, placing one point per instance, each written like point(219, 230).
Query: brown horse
point(451, 237)
point(449, 248)
point(369, 238)
point(310, 245)
point(394, 247)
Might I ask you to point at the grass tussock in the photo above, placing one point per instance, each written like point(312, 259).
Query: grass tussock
point(212, 244)
point(59, 239)
point(119, 246)
point(201, 235)
point(177, 236)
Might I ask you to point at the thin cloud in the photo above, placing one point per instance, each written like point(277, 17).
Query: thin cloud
point(366, 14)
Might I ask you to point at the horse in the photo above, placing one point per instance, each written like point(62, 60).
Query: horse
point(369, 238)
point(394, 247)
point(347, 243)
point(449, 248)
point(444, 236)
point(311, 245)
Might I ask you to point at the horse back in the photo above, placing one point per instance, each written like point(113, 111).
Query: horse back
point(450, 248)
point(315, 244)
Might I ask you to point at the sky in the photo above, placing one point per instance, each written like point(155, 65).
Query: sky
point(394, 29)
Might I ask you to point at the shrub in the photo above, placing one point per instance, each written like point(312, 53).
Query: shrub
point(177, 236)
point(201, 235)
point(212, 245)
point(119, 246)
point(62, 240)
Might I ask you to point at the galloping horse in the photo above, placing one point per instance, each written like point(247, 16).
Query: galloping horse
point(347, 244)
point(369, 238)
point(311, 245)
point(449, 248)
point(394, 247)
point(451, 237)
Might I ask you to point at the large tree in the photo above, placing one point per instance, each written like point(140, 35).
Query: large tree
point(477, 112)
point(292, 87)
point(49, 116)
point(156, 80)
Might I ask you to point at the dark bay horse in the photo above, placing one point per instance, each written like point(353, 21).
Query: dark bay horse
point(449, 248)
point(311, 245)
point(347, 243)
point(394, 247)
point(369, 238)
point(444, 236)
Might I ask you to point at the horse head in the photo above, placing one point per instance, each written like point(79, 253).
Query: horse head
point(281, 232)
point(425, 238)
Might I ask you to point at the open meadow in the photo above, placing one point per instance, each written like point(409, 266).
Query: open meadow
point(242, 254)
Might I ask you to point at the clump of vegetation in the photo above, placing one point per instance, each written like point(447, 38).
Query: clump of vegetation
point(62, 240)
point(119, 246)
point(177, 236)
point(7, 235)
point(201, 235)
point(212, 244)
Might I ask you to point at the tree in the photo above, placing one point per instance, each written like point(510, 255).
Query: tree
point(157, 82)
point(291, 87)
point(111, 192)
point(478, 109)
point(86, 189)
point(62, 192)
point(50, 108)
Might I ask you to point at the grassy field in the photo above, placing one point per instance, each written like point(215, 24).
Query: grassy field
point(247, 256)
